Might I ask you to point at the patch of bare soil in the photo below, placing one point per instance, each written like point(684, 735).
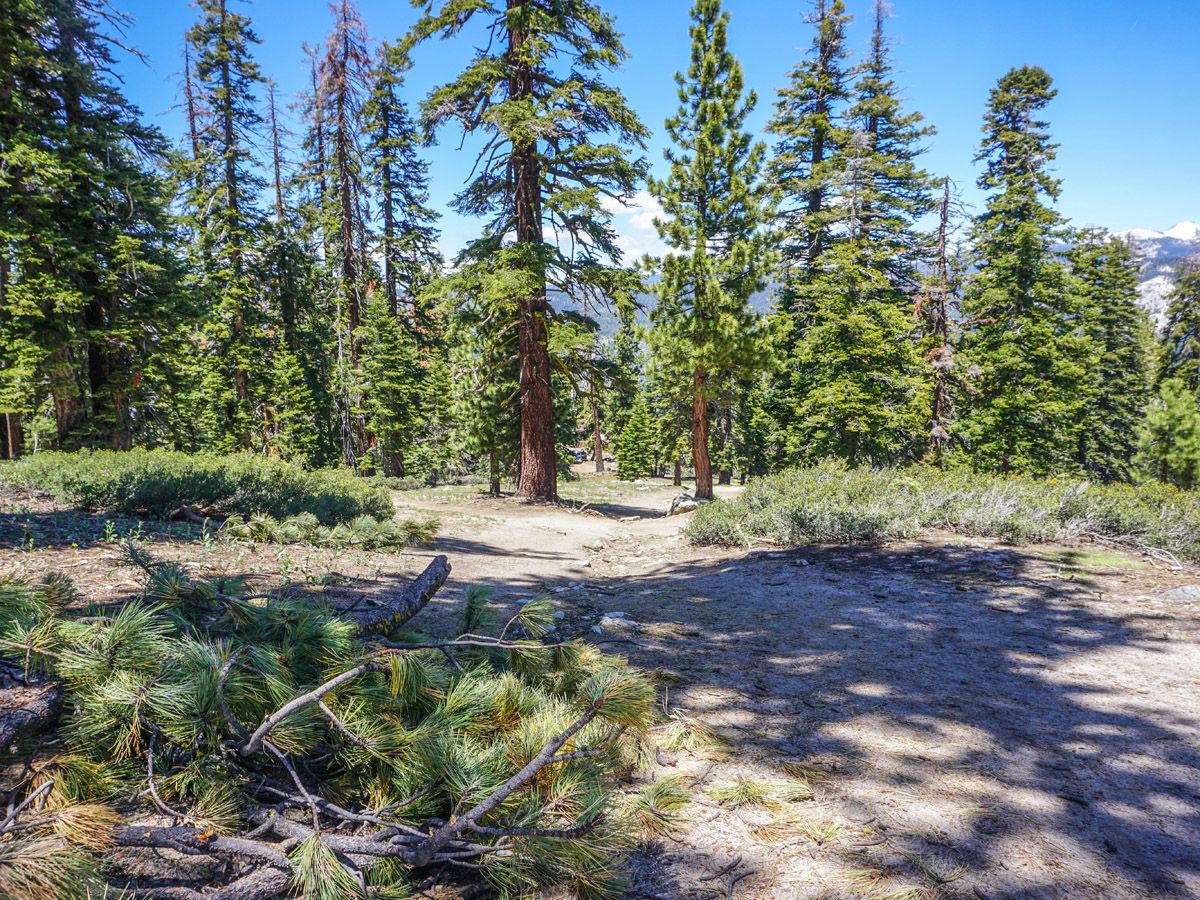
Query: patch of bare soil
point(974, 720)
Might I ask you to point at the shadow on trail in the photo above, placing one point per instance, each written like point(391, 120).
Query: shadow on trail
point(864, 641)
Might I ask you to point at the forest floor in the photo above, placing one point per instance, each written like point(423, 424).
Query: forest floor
point(976, 720)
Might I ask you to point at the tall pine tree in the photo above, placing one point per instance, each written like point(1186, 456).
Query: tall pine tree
point(1181, 342)
point(230, 224)
point(557, 139)
point(1024, 344)
point(1107, 277)
point(855, 362)
point(87, 275)
point(717, 208)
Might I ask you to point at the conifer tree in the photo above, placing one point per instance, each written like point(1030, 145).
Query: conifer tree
point(557, 139)
point(717, 209)
point(294, 433)
point(855, 364)
point(408, 240)
point(1170, 448)
point(344, 73)
point(1023, 340)
point(635, 445)
point(226, 80)
point(1181, 342)
point(85, 241)
point(1107, 278)
point(940, 296)
point(808, 122)
point(809, 125)
point(390, 384)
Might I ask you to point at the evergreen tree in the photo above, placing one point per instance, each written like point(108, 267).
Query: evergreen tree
point(938, 306)
point(1181, 341)
point(808, 122)
point(344, 73)
point(1107, 276)
point(556, 141)
point(635, 446)
point(856, 366)
point(1171, 441)
point(294, 433)
point(408, 241)
point(717, 208)
point(86, 245)
point(1023, 340)
point(229, 223)
point(624, 355)
point(390, 384)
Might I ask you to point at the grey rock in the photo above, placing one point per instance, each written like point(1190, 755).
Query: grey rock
point(684, 503)
point(1187, 593)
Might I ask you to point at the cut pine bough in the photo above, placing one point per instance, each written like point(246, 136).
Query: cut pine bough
point(310, 752)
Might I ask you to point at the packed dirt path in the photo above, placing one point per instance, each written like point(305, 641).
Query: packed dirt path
point(974, 720)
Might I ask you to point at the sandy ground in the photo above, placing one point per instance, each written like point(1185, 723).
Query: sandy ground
point(975, 720)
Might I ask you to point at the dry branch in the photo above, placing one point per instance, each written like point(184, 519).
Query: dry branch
point(32, 716)
point(408, 602)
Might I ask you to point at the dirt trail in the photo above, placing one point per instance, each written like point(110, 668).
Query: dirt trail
point(975, 720)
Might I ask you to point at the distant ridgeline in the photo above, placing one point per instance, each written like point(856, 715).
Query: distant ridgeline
point(1161, 253)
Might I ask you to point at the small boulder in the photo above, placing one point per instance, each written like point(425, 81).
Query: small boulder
point(684, 503)
point(616, 623)
point(1185, 594)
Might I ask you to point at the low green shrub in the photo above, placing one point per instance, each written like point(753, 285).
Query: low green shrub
point(832, 503)
point(156, 482)
point(364, 532)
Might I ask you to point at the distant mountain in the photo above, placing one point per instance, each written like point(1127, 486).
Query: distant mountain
point(1161, 253)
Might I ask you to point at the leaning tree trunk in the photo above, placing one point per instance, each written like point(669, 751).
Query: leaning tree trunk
point(538, 471)
point(700, 457)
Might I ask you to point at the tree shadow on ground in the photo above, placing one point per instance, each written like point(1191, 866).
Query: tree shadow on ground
point(996, 721)
point(59, 529)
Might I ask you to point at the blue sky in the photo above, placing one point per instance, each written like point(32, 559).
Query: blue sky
point(1126, 116)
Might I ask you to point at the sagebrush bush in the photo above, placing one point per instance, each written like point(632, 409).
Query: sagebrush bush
point(833, 503)
point(155, 482)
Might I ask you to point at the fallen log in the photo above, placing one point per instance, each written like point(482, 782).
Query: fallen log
point(25, 711)
point(407, 603)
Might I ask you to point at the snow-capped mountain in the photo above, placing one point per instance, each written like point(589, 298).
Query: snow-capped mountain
point(1161, 253)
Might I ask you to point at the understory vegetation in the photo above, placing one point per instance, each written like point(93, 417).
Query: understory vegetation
point(364, 532)
point(159, 482)
point(833, 503)
point(309, 751)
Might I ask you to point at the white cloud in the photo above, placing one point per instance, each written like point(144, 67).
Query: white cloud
point(634, 224)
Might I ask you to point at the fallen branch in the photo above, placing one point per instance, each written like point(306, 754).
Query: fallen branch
point(408, 602)
point(31, 717)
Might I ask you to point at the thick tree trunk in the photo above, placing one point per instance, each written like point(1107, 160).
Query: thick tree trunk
point(700, 458)
point(538, 478)
point(14, 435)
point(678, 475)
